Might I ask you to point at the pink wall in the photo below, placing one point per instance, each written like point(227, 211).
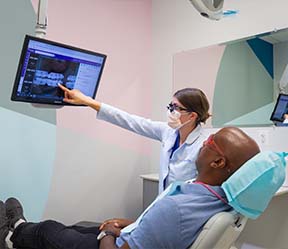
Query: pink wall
point(122, 30)
point(198, 68)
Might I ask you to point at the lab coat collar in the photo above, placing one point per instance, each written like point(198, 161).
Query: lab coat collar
point(194, 135)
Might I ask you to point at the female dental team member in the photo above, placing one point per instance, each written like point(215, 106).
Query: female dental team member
point(181, 138)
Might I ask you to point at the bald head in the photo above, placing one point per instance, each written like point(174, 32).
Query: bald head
point(236, 148)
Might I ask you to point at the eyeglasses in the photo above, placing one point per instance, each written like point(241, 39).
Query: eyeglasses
point(210, 142)
point(172, 106)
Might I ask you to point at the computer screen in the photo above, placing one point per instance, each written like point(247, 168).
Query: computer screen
point(280, 109)
point(44, 64)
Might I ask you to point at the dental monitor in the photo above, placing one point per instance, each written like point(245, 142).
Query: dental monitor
point(280, 109)
point(44, 64)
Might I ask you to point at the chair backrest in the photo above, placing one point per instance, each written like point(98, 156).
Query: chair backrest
point(220, 231)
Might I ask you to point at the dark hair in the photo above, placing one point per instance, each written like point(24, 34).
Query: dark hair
point(195, 101)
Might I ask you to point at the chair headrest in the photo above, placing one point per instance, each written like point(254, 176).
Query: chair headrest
point(250, 189)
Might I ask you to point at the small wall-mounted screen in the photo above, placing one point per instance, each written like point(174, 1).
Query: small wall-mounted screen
point(44, 64)
point(280, 111)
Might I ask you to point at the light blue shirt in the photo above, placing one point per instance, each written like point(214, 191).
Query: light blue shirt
point(181, 166)
point(175, 221)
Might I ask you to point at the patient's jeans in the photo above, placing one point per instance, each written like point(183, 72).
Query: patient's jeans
point(53, 235)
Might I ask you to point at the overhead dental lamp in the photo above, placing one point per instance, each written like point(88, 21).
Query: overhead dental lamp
point(211, 9)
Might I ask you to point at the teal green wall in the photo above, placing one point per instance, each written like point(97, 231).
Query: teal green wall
point(17, 18)
point(28, 151)
point(259, 117)
point(242, 85)
point(27, 134)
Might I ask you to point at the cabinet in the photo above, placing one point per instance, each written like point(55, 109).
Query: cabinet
point(150, 188)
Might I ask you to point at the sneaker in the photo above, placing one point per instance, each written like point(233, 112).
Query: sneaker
point(14, 211)
point(3, 226)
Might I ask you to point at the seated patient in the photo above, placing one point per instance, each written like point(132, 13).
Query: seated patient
point(173, 221)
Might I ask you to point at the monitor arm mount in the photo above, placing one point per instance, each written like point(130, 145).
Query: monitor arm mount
point(40, 29)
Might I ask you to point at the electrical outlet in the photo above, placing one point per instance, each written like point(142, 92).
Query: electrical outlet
point(263, 137)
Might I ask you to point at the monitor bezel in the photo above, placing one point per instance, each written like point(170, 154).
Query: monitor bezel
point(28, 38)
point(272, 118)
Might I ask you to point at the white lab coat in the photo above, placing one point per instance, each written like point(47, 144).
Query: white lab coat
point(181, 166)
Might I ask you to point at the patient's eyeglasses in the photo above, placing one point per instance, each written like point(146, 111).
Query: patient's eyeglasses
point(172, 107)
point(210, 142)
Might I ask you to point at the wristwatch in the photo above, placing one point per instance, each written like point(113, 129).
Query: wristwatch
point(105, 233)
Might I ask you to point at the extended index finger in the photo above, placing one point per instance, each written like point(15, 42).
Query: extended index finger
point(63, 88)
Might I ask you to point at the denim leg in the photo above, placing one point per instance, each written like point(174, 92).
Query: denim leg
point(51, 235)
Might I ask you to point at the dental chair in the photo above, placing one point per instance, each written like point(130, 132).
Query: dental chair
point(220, 231)
point(261, 176)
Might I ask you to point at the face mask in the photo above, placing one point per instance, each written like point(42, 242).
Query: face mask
point(173, 119)
point(250, 189)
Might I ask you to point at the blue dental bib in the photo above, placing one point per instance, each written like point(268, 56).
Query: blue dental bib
point(250, 189)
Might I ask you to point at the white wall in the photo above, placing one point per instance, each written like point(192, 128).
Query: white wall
point(268, 138)
point(177, 26)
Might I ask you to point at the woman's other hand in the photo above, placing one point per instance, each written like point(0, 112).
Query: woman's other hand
point(116, 222)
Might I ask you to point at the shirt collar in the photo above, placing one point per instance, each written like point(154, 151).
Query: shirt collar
point(189, 184)
point(193, 136)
